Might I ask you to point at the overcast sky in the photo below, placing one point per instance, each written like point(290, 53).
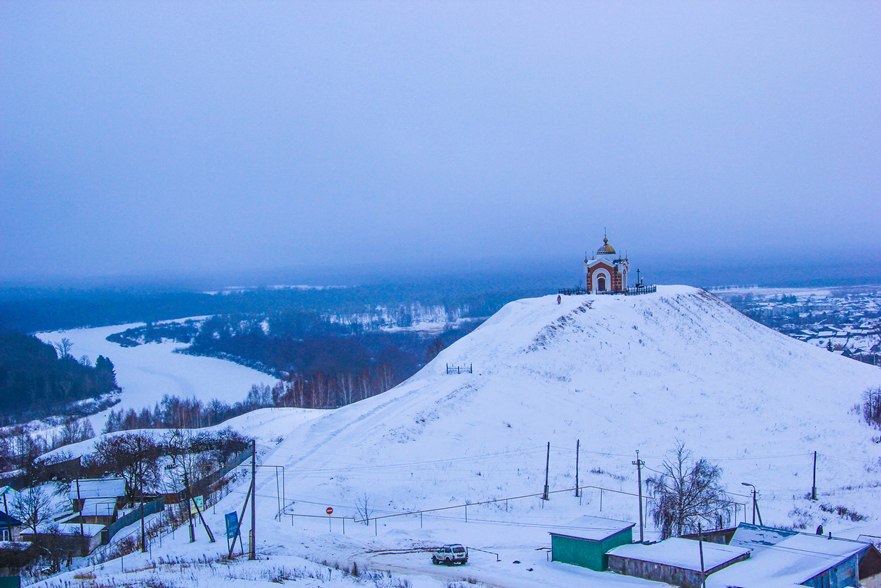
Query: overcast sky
point(159, 138)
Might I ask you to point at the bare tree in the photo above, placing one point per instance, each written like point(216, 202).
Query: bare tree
point(686, 493)
point(64, 348)
point(364, 508)
point(134, 456)
point(872, 406)
point(33, 507)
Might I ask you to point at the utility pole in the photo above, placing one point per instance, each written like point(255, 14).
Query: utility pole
point(700, 546)
point(639, 463)
point(577, 450)
point(814, 483)
point(546, 495)
point(189, 499)
point(252, 553)
point(755, 503)
point(143, 535)
point(78, 499)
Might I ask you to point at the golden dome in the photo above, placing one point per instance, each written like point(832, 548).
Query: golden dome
point(606, 248)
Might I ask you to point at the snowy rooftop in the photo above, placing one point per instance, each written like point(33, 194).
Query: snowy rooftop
point(795, 559)
point(592, 528)
point(681, 553)
point(88, 529)
point(755, 536)
point(97, 488)
point(98, 507)
point(19, 546)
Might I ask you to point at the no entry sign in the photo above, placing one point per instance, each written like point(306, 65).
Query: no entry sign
point(329, 510)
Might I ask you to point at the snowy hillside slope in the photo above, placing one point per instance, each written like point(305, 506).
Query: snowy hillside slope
point(266, 425)
point(618, 373)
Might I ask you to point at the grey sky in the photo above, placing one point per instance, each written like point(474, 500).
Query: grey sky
point(158, 137)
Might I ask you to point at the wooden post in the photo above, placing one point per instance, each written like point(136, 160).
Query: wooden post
point(546, 494)
point(252, 554)
point(78, 499)
point(577, 450)
point(143, 537)
point(639, 463)
point(700, 546)
point(814, 483)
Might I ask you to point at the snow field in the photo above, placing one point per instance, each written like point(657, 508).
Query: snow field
point(618, 373)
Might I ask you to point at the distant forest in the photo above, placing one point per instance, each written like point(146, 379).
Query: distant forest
point(321, 363)
point(329, 346)
point(31, 310)
point(37, 379)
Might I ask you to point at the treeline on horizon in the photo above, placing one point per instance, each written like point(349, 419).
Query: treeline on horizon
point(32, 310)
point(38, 379)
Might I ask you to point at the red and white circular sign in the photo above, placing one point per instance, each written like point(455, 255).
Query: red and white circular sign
point(329, 510)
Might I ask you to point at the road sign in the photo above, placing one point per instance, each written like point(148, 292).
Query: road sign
point(197, 501)
point(329, 510)
point(232, 524)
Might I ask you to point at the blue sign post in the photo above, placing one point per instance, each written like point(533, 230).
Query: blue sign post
point(232, 526)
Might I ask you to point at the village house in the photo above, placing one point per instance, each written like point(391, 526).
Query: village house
point(682, 562)
point(784, 557)
point(10, 527)
point(586, 540)
point(97, 500)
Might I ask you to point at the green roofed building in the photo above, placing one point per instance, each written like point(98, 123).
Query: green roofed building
point(586, 540)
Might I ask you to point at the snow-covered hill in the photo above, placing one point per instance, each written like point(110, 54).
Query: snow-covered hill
point(618, 373)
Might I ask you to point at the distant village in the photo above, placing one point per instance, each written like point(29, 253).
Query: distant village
point(846, 320)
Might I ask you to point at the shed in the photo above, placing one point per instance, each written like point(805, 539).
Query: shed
point(15, 555)
point(586, 540)
point(100, 511)
point(9, 527)
point(779, 555)
point(7, 498)
point(94, 490)
point(675, 561)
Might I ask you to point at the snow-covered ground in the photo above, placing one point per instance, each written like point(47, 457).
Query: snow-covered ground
point(148, 372)
point(618, 373)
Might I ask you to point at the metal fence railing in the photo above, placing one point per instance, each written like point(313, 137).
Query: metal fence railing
point(132, 517)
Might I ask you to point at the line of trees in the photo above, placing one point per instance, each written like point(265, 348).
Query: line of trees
point(38, 379)
point(20, 446)
point(319, 390)
point(139, 457)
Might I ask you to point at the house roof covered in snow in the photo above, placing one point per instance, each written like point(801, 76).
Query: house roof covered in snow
point(15, 546)
point(794, 559)
point(681, 553)
point(97, 488)
point(98, 507)
point(591, 528)
point(757, 536)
